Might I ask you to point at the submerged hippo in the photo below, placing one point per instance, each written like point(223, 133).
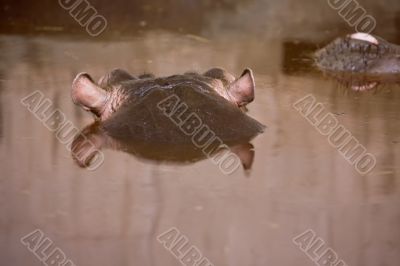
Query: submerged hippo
point(360, 60)
point(178, 118)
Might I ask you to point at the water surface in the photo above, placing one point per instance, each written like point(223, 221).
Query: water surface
point(112, 216)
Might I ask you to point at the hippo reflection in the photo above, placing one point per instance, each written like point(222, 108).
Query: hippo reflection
point(361, 61)
point(181, 118)
point(95, 138)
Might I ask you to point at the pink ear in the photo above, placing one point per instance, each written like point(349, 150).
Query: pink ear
point(87, 94)
point(242, 90)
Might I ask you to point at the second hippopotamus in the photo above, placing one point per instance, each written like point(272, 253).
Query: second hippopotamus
point(361, 60)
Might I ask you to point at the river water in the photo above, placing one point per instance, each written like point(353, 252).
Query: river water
point(113, 215)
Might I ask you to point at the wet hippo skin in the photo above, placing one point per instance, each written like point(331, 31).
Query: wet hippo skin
point(142, 115)
point(360, 60)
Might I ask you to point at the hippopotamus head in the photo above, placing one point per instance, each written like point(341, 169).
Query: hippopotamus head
point(185, 117)
point(361, 59)
point(119, 88)
point(360, 53)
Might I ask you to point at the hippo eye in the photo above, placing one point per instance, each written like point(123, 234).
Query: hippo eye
point(364, 37)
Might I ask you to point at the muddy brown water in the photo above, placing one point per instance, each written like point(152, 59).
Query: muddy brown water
point(113, 215)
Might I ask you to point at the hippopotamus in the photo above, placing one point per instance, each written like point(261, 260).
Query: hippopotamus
point(360, 60)
point(180, 118)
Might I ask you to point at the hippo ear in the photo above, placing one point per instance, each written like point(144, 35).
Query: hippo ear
point(242, 90)
point(87, 94)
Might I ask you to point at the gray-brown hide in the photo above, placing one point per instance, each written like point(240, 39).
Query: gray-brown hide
point(137, 114)
point(119, 89)
point(361, 61)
